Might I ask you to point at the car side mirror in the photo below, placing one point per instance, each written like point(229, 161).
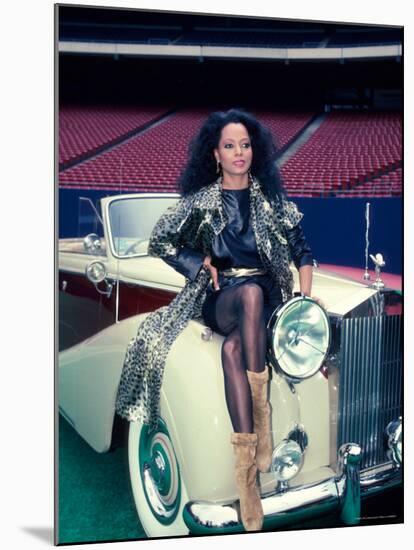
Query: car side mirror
point(92, 244)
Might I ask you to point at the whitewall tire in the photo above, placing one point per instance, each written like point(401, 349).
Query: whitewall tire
point(157, 486)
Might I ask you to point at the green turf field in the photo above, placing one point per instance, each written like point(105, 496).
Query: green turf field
point(96, 502)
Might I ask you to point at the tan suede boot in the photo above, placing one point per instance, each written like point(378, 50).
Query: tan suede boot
point(251, 510)
point(261, 418)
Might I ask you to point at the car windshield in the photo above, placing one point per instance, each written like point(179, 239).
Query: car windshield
point(131, 222)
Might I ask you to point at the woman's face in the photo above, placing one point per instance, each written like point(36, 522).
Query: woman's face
point(234, 150)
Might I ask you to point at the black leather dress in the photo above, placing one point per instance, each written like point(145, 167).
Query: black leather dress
point(236, 246)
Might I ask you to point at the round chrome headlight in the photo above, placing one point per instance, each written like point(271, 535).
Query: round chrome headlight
point(95, 272)
point(287, 460)
point(300, 335)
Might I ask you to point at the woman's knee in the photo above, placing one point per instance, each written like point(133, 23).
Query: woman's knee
point(251, 297)
point(232, 348)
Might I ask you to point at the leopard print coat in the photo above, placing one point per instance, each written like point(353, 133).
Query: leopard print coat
point(194, 222)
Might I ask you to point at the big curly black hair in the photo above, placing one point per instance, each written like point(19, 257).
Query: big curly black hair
point(201, 169)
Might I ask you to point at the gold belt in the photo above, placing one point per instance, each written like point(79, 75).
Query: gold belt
point(242, 272)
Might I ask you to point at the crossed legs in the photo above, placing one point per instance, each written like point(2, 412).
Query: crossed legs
point(239, 314)
point(240, 317)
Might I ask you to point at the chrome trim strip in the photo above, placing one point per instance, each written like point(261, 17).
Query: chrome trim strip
point(369, 472)
point(222, 516)
point(381, 476)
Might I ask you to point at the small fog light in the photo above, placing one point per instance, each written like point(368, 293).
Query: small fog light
point(287, 460)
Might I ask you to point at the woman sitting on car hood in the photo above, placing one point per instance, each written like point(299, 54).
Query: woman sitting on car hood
point(232, 235)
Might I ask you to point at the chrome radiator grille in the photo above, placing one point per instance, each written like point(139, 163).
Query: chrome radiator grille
point(370, 390)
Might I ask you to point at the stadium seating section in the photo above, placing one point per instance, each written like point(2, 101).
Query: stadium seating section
point(84, 130)
point(351, 154)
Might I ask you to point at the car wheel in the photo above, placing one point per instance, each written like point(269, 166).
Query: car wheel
point(157, 486)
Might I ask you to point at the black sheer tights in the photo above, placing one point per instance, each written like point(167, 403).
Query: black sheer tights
point(240, 316)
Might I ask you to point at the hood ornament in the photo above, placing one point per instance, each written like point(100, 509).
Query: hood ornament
point(379, 262)
point(377, 259)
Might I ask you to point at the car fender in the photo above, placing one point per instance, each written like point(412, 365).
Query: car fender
point(193, 404)
point(89, 375)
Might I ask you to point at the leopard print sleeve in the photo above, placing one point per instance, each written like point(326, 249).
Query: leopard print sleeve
point(165, 237)
point(290, 214)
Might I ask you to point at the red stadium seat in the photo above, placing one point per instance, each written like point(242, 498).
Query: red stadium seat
point(350, 154)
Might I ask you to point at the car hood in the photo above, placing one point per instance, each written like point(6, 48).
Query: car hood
point(339, 293)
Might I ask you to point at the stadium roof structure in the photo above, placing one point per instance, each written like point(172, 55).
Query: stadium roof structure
point(128, 32)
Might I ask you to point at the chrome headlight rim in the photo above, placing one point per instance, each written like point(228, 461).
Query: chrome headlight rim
point(394, 433)
point(286, 448)
point(272, 327)
point(96, 272)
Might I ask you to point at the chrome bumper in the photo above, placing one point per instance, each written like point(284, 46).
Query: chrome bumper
point(341, 493)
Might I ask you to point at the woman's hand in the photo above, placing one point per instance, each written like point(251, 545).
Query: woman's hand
point(213, 272)
point(315, 298)
point(318, 301)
